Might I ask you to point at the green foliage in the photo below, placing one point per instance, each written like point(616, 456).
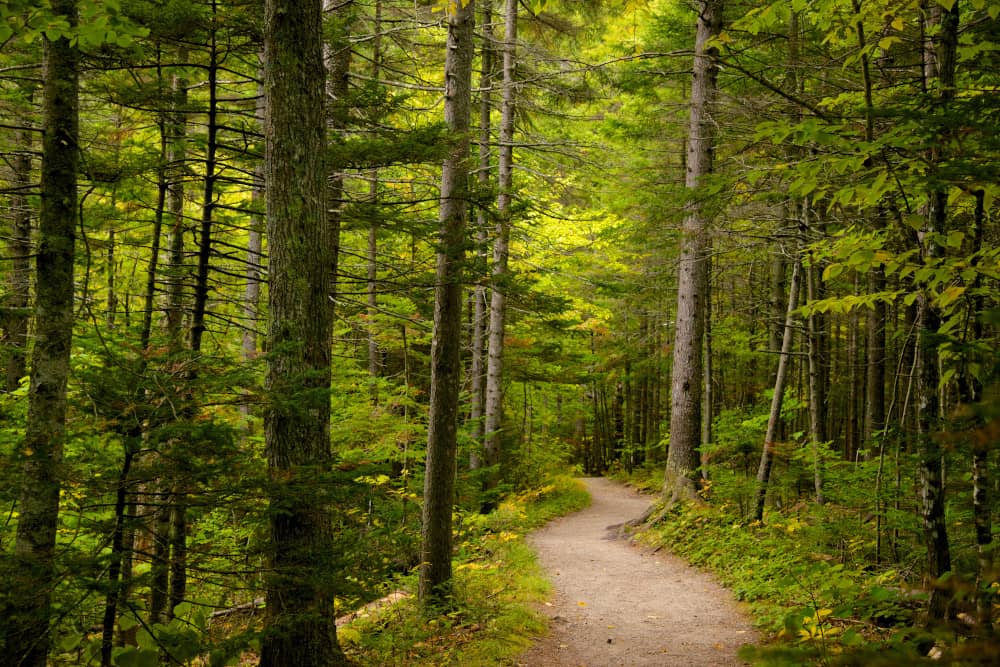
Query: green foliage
point(498, 585)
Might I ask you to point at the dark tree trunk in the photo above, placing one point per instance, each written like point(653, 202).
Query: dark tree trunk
point(446, 365)
point(15, 314)
point(27, 628)
point(300, 624)
point(940, 65)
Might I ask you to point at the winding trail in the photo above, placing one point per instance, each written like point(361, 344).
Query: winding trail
point(618, 605)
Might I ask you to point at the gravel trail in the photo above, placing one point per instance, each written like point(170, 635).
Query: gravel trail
point(618, 605)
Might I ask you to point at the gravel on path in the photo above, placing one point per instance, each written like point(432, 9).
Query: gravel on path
point(620, 605)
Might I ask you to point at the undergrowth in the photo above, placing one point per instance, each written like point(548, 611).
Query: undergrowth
point(814, 604)
point(497, 587)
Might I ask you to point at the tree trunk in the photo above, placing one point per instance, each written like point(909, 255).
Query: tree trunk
point(499, 282)
point(477, 363)
point(446, 370)
point(774, 418)
point(28, 628)
point(251, 294)
point(300, 618)
point(177, 156)
point(337, 59)
point(208, 199)
point(707, 389)
point(940, 65)
point(686, 380)
point(15, 308)
point(818, 380)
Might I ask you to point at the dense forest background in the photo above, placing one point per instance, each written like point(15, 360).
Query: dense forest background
point(775, 281)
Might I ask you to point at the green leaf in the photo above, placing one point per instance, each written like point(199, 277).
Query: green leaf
point(133, 657)
point(832, 271)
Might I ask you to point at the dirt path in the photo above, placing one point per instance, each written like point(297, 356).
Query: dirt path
point(617, 605)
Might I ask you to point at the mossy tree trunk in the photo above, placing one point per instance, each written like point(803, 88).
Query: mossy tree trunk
point(300, 624)
point(28, 628)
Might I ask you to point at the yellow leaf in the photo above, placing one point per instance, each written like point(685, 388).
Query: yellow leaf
point(581, 603)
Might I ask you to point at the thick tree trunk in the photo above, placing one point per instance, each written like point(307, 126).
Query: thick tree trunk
point(774, 418)
point(300, 620)
point(446, 365)
point(27, 629)
point(499, 282)
point(686, 380)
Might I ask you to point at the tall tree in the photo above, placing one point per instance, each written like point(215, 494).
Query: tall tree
point(939, 68)
point(686, 393)
point(300, 622)
point(480, 319)
point(16, 302)
point(501, 243)
point(446, 366)
point(28, 628)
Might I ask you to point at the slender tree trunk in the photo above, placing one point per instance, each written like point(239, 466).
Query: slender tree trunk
point(337, 59)
point(28, 637)
point(818, 381)
point(501, 243)
point(372, 277)
point(774, 418)
point(707, 389)
point(874, 417)
point(446, 365)
point(971, 392)
point(16, 305)
point(177, 157)
point(208, 198)
point(686, 379)
point(477, 364)
point(299, 625)
point(251, 294)
point(940, 55)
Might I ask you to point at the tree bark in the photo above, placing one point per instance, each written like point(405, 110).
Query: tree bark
point(28, 628)
point(337, 58)
point(16, 305)
point(774, 418)
point(177, 156)
point(940, 66)
point(477, 362)
point(446, 371)
point(501, 243)
point(300, 620)
point(816, 335)
point(686, 379)
point(251, 293)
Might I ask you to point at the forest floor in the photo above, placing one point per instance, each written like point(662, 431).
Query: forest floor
point(619, 604)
